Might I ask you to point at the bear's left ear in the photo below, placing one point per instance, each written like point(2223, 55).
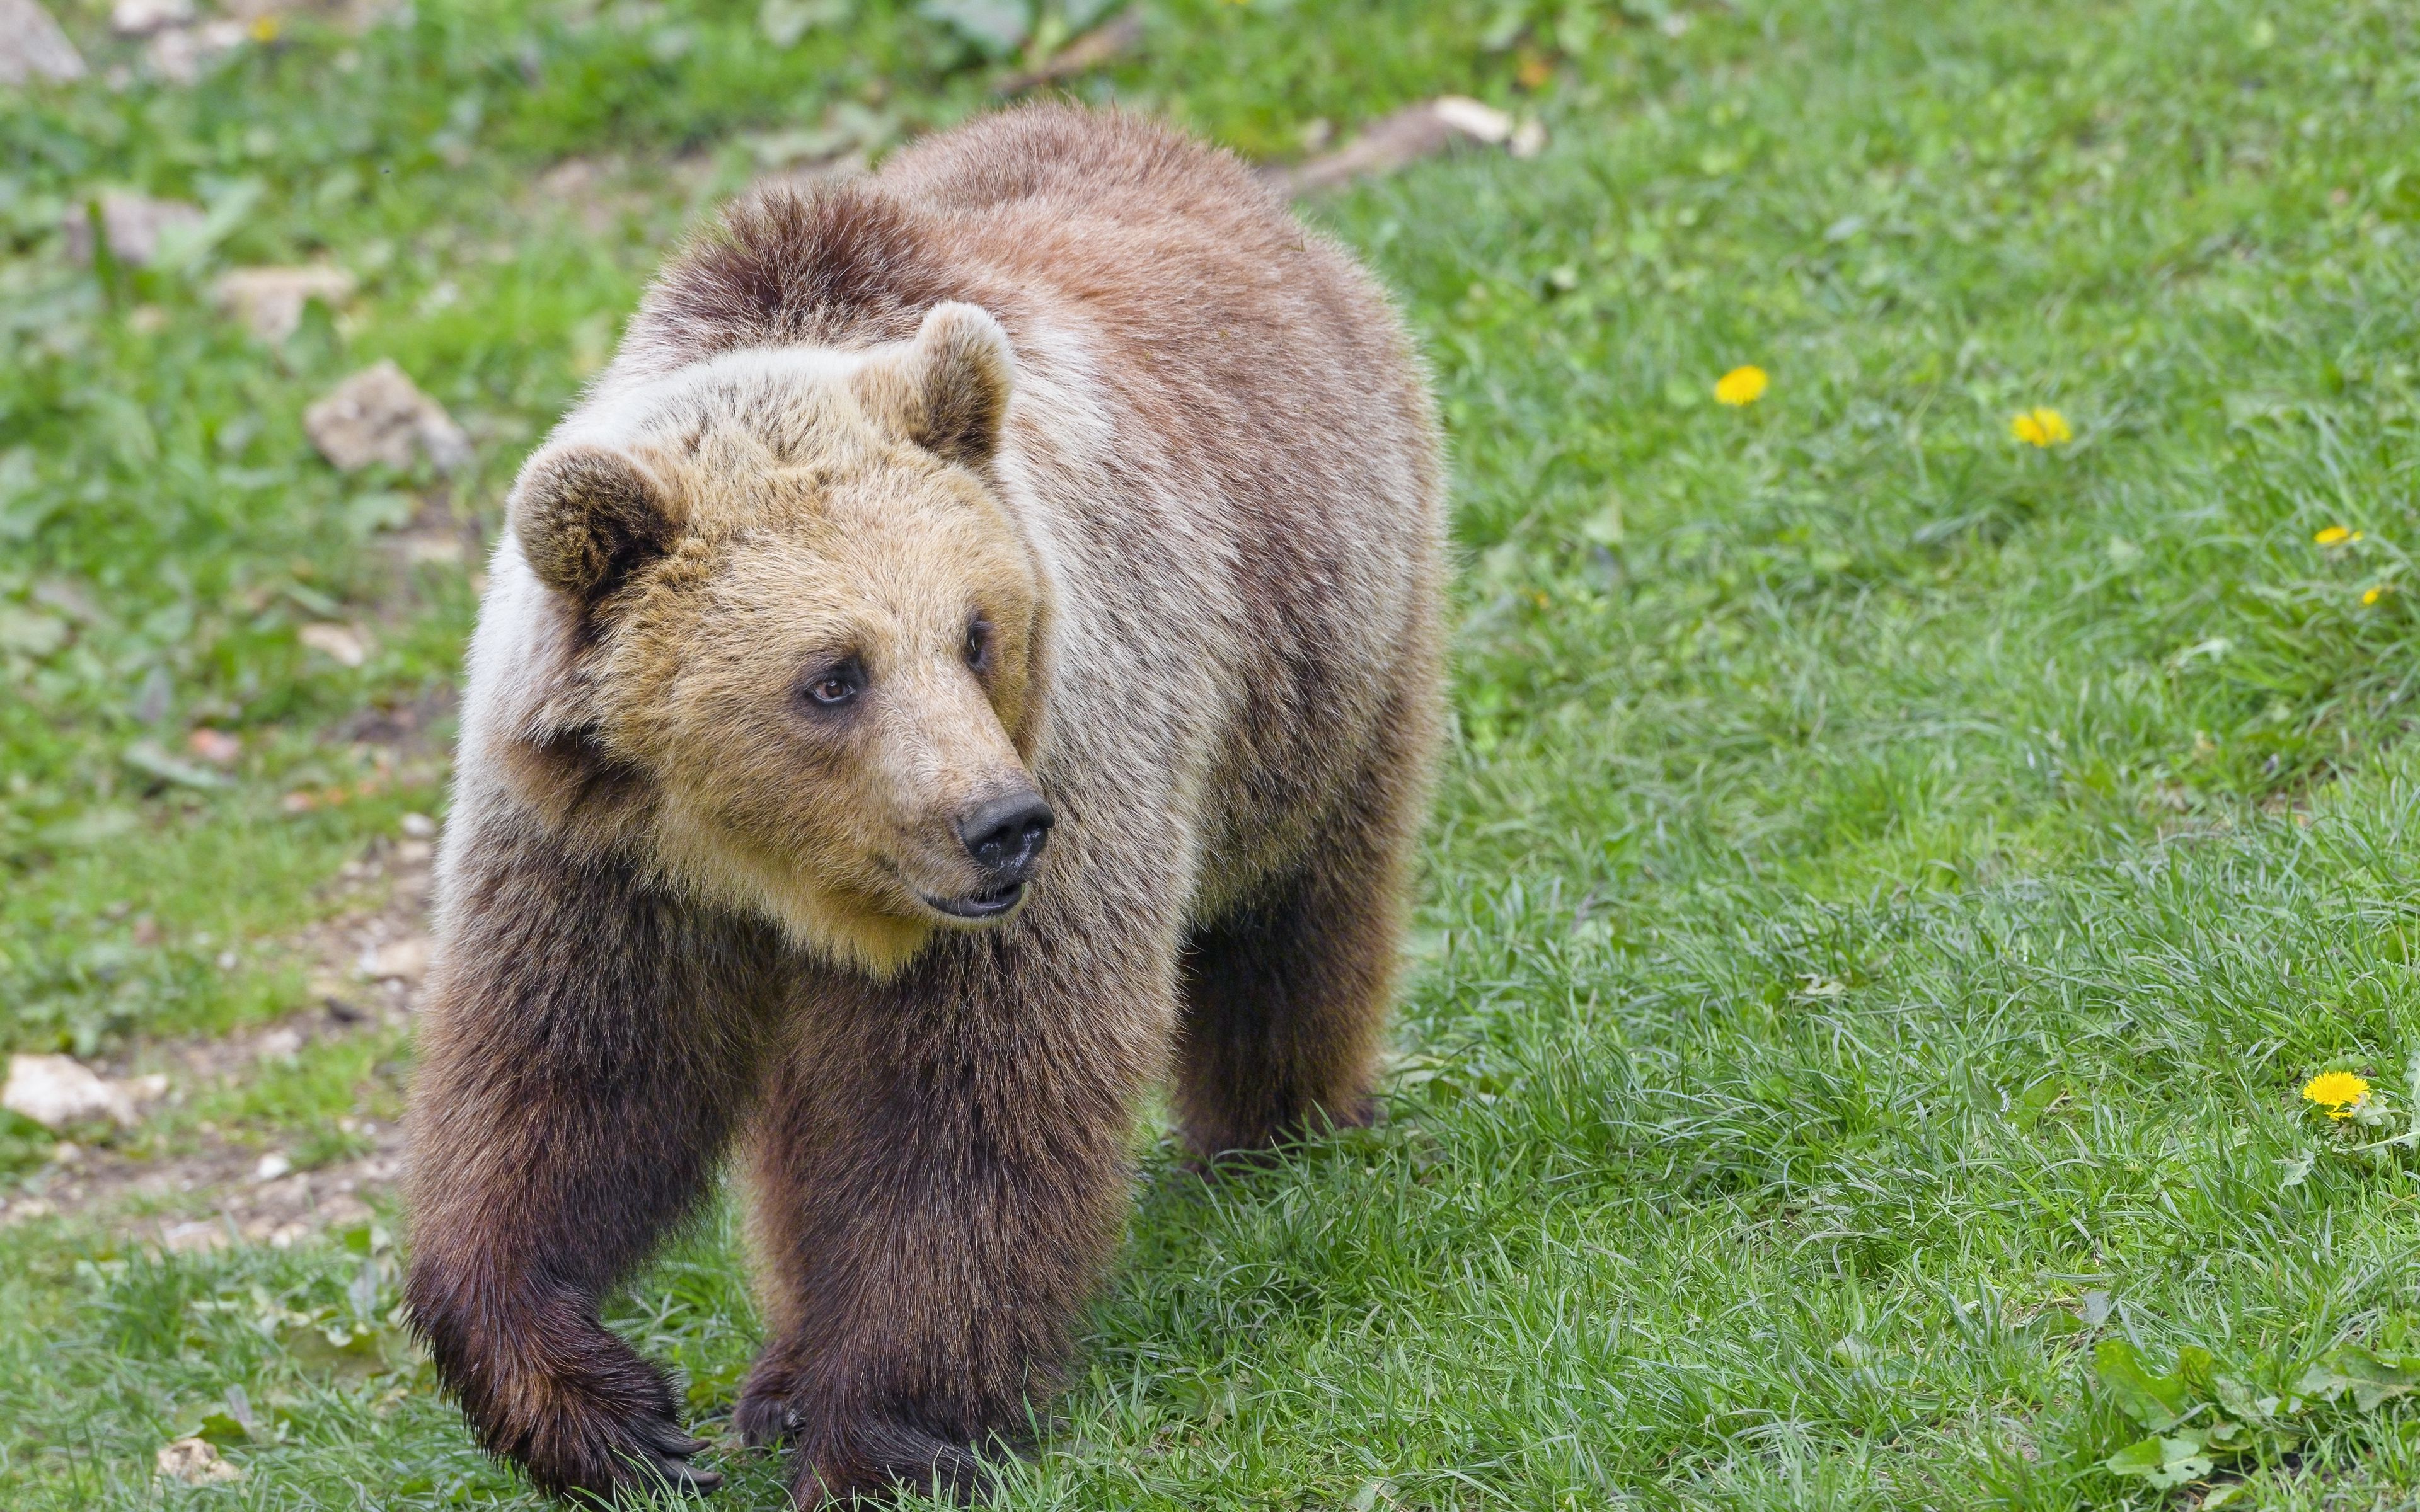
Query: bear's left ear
point(948, 394)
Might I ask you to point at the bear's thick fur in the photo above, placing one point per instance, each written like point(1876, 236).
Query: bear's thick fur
point(972, 659)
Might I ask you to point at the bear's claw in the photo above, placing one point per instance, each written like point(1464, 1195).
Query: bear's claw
point(763, 1414)
point(639, 1453)
point(667, 1455)
point(848, 1453)
point(873, 1459)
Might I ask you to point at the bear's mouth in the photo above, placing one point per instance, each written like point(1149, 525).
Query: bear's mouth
point(989, 904)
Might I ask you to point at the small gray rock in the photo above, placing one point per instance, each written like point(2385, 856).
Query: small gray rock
point(378, 415)
point(133, 223)
point(271, 300)
point(56, 1091)
point(141, 18)
point(33, 47)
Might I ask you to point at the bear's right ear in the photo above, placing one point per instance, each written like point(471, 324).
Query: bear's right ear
point(587, 517)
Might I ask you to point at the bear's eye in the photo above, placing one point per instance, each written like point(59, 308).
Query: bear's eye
point(835, 686)
point(978, 643)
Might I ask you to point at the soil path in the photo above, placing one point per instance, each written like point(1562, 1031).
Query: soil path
point(212, 1186)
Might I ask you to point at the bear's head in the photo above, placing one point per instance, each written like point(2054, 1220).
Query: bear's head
point(805, 631)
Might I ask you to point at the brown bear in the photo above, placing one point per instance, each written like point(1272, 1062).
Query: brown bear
point(973, 658)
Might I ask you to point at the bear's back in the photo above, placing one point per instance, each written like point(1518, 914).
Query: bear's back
point(1071, 161)
point(1099, 208)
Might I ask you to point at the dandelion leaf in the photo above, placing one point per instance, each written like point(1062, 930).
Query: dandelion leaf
point(354, 1353)
point(2155, 1402)
point(2263, 1417)
point(2372, 1379)
point(2228, 1437)
point(2161, 1463)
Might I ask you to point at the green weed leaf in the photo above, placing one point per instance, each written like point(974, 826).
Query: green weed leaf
point(2372, 1379)
point(29, 633)
point(784, 22)
point(2155, 1402)
point(148, 758)
point(2162, 1462)
point(356, 1353)
point(997, 27)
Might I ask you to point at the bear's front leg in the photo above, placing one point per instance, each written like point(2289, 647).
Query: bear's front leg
point(943, 1168)
point(587, 1048)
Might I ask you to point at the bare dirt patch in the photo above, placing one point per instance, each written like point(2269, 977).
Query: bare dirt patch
point(197, 1186)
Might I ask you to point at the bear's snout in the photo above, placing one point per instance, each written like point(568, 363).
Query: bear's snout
point(1005, 836)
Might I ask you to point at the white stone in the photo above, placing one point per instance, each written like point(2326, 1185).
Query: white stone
point(141, 18)
point(181, 54)
point(195, 1237)
point(432, 549)
point(271, 300)
point(197, 1462)
point(404, 960)
point(59, 1090)
point(271, 1166)
point(378, 415)
point(133, 225)
point(339, 644)
point(33, 47)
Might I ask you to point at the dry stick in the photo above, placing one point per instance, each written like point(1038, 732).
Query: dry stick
point(1400, 139)
point(1096, 47)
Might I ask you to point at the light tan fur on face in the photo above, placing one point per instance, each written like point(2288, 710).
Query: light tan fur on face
point(810, 523)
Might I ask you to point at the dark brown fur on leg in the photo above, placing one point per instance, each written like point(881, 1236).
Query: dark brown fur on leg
point(1286, 1000)
point(585, 1051)
point(942, 1165)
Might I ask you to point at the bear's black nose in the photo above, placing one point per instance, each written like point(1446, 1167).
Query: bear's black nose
point(1005, 835)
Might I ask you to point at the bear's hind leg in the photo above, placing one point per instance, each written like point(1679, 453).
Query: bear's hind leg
point(1286, 1001)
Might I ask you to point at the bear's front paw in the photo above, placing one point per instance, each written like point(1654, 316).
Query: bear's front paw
point(599, 1421)
point(584, 1451)
point(764, 1413)
point(874, 1458)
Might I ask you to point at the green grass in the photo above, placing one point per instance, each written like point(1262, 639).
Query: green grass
point(1889, 888)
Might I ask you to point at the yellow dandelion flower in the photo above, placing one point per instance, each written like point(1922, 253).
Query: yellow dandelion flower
point(264, 28)
point(2338, 1091)
point(2040, 427)
point(1742, 386)
point(2332, 535)
point(2374, 594)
